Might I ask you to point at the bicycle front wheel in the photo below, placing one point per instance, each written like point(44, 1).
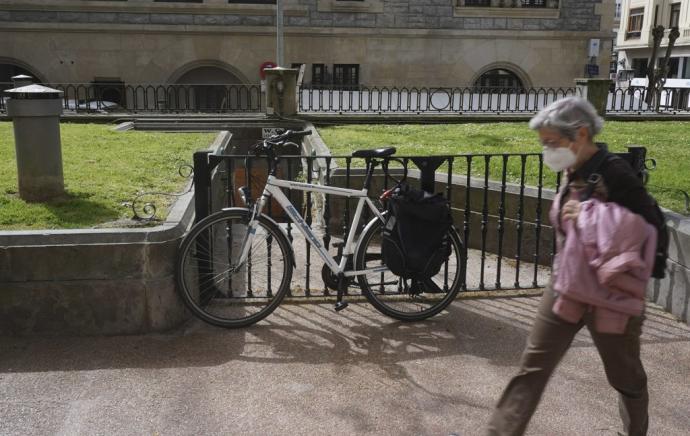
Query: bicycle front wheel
point(220, 289)
point(399, 298)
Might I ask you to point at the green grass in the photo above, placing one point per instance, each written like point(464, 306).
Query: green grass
point(103, 171)
point(667, 142)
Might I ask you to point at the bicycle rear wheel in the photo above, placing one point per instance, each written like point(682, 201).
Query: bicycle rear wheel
point(397, 297)
point(219, 290)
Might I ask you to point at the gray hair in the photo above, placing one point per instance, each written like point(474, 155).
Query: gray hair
point(567, 115)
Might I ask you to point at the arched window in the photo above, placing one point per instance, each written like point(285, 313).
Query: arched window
point(7, 71)
point(499, 78)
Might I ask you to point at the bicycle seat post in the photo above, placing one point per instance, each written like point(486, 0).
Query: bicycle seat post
point(371, 165)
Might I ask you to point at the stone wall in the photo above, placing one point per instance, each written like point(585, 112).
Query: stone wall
point(395, 42)
point(673, 291)
point(94, 281)
point(575, 15)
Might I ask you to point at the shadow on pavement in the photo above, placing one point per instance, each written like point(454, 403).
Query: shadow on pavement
point(490, 329)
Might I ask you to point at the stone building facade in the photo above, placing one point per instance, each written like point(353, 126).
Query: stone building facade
point(367, 42)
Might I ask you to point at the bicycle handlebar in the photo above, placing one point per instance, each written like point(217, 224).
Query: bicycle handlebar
point(266, 146)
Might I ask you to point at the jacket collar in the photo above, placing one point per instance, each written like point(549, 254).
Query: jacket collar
point(592, 165)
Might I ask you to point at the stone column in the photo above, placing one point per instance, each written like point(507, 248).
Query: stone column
point(281, 91)
point(596, 91)
point(35, 111)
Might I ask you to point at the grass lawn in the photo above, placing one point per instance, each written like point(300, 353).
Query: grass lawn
point(103, 171)
point(667, 142)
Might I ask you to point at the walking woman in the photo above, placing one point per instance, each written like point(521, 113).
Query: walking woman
point(595, 241)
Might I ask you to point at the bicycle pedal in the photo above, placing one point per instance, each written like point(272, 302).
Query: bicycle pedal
point(340, 305)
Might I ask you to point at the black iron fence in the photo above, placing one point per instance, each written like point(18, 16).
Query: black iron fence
point(135, 98)
point(500, 205)
point(375, 99)
point(223, 98)
point(633, 100)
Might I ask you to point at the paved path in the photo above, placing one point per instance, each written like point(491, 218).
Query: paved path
point(307, 370)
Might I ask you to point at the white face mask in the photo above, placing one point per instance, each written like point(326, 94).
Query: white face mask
point(559, 158)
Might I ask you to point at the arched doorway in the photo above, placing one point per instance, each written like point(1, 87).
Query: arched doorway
point(10, 68)
point(207, 88)
point(209, 74)
point(499, 78)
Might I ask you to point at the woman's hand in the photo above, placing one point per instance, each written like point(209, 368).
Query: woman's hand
point(571, 210)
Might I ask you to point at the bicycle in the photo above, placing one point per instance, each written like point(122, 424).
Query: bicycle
point(235, 266)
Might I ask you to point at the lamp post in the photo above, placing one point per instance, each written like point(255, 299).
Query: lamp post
point(279, 33)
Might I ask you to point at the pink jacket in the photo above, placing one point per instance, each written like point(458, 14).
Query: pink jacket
point(605, 262)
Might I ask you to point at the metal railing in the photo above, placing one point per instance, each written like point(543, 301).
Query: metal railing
point(329, 99)
point(135, 98)
point(632, 100)
point(384, 99)
point(511, 4)
point(499, 201)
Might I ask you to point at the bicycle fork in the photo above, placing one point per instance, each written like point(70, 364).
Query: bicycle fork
point(251, 227)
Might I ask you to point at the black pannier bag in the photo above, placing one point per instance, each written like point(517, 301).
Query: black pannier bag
point(415, 241)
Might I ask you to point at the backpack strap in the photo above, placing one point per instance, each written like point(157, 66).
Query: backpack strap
point(592, 181)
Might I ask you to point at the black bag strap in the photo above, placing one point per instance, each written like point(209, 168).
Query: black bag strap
point(592, 181)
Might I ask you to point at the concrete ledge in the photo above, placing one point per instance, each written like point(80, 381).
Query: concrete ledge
point(673, 292)
point(94, 281)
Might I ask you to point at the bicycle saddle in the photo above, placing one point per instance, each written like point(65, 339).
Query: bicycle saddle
point(378, 152)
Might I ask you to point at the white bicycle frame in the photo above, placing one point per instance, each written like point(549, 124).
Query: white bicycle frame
point(273, 188)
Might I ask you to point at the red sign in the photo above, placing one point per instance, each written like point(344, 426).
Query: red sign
point(267, 64)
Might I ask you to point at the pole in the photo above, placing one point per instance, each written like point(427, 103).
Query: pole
point(279, 32)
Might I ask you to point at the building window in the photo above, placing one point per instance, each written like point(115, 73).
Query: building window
point(672, 68)
point(675, 14)
point(499, 78)
point(533, 3)
point(346, 75)
point(639, 66)
point(318, 74)
point(686, 68)
point(510, 3)
point(635, 23)
point(253, 2)
point(478, 3)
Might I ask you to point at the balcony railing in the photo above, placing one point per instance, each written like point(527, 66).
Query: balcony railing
point(478, 3)
point(510, 3)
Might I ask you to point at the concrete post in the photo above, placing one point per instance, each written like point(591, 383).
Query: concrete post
point(281, 91)
point(35, 111)
point(596, 91)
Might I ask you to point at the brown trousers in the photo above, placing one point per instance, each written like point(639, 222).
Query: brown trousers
point(549, 339)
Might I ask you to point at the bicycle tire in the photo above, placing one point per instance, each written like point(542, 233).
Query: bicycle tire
point(389, 294)
point(218, 291)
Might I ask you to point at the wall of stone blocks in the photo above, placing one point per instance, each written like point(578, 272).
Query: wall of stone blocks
point(396, 42)
point(94, 281)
